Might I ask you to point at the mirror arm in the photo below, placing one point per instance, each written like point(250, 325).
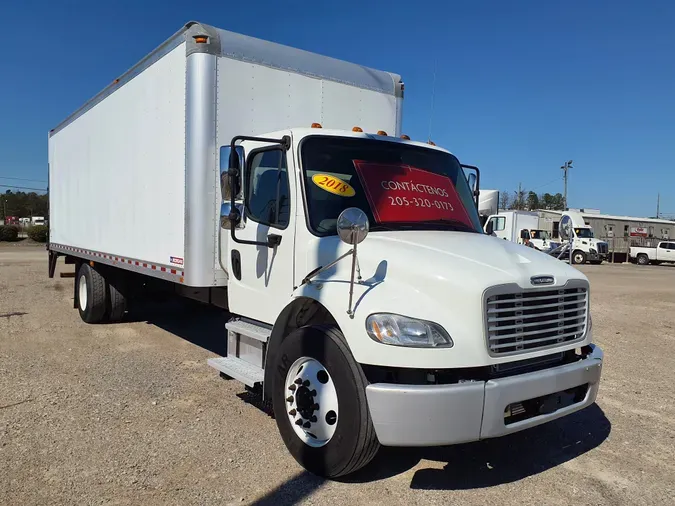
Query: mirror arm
point(321, 269)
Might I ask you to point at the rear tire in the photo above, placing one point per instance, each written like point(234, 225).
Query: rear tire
point(578, 257)
point(642, 259)
point(117, 302)
point(352, 443)
point(91, 294)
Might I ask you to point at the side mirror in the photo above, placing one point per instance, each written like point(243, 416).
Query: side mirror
point(565, 228)
point(490, 227)
point(472, 181)
point(352, 226)
point(227, 161)
point(226, 215)
point(524, 234)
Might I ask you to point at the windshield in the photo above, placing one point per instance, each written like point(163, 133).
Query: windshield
point(398, 186)
point(539, 234)
point(584, 233)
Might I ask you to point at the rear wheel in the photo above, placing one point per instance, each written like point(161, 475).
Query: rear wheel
point(91, 294)
point(117, 302)
point(642, 259)
point(578, 257)
point(319, 399)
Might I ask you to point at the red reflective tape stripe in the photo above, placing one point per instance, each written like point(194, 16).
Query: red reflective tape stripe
point(173, 271)
point(154, 267)
point(145, 265)
point(163, 269)
point(137, 263)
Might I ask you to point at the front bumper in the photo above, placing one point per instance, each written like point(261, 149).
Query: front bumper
point(433, 415)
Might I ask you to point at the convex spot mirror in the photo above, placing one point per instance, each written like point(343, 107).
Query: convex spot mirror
point(226, 191)
point(565, 229)
point(352, 225)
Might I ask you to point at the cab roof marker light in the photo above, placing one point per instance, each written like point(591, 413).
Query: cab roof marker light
point(357, 129)
point(382, 132)
point(405, 137)
point(316, 125)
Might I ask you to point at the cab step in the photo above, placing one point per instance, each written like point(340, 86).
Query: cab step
point(238, 369)
point(249, 329)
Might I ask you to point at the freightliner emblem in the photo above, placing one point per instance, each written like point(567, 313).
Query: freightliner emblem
point(542, 280)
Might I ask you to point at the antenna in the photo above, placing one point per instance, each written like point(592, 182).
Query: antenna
point(433, 93)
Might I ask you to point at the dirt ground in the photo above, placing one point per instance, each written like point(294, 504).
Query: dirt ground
point(131, 414)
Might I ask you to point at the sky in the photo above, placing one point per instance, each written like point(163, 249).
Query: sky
point(520, 87)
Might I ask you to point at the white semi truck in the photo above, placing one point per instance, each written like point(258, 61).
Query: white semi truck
point(367, 305)
point(585, 247)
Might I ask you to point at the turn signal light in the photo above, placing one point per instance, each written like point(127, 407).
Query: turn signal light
point(316, 125)
point(405, 137)
point(201, 39)
point(357, 129)
point(381, 132)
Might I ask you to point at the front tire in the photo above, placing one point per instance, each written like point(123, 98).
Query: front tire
point(319, 400)
point(578, 257)
point(642, 259)
point(91, 294)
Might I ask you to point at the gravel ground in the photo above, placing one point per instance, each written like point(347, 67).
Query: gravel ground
point(131, 414)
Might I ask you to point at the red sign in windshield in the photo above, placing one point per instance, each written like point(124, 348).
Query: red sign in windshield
point(401, 193)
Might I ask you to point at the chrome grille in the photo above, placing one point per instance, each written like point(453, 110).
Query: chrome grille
point(531, 320)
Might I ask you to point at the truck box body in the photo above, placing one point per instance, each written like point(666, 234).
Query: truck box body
point(134, 173)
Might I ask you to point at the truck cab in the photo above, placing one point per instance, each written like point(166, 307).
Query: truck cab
point(369, 294)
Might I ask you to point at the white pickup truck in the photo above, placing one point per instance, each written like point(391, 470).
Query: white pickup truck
point(664, 252)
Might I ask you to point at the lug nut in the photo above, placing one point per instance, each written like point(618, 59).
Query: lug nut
point(289, 398)
point(298, 381)
point(315, 407)
point(305, 383)
point(313, 393)
point(313, 419)
point(292, 388)
point(307, 425)
point(298, 422)
point(292, 412)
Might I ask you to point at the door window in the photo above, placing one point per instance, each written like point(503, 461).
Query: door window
point(498, 223)
point(267, 194)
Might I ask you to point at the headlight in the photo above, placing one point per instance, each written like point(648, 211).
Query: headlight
point(403, 331)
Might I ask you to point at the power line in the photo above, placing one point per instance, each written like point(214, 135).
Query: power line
point(546, 184)
point(21, 179)
point(22, 188)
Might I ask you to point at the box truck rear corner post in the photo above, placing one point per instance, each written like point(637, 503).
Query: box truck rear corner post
point(366, 304)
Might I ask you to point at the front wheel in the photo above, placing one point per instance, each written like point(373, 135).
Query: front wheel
point(319, 400)
point(579, 257)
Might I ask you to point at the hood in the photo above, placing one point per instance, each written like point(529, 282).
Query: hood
point(479, 261)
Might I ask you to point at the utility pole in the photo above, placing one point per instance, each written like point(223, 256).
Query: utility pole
point(565, 168)
point(658, 202)
point(520, 198)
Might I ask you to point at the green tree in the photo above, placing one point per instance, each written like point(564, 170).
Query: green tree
point(532, 201)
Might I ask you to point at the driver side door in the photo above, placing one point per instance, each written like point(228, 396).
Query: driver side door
point(260, 276)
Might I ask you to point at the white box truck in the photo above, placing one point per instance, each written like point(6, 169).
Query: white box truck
point(515, 226)
point(367, 305)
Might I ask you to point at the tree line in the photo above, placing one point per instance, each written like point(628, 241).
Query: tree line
point(23, 205)
point(523, 200)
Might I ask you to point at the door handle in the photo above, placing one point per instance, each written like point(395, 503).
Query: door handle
point(273, 240)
